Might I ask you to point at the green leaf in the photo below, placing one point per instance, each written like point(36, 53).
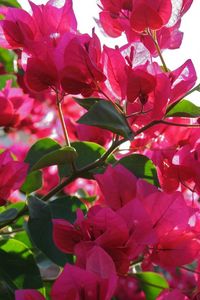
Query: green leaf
point(152, 284)
point(65, 208)
point(8, 215)
point(12, 3)
point(87, 103)
point(103, 114)
point(5, 78)
point(39, 149)
point(5, 292)
point(82, 194)
point(141, 166)
point(23, 237)
point(32, 183)
point(7, 58)
point(58, 157)
point(18, 265)
point(184, 108)
point(88, 152)
point(19, 205)
point(40, 228)
point(48, 286)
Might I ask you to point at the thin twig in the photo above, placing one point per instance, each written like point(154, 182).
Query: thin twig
point(82, 171)
point(153, 36)
point(61, 117)
point(20, 214)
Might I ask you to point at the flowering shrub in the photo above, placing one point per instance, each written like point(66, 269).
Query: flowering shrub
point(100, 156)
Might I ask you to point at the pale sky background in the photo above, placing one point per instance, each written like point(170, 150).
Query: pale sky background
point(87, 10)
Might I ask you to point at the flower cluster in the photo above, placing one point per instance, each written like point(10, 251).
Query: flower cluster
point(112, 177)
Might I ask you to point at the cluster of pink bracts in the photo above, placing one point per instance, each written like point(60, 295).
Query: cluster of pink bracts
point(131, 221)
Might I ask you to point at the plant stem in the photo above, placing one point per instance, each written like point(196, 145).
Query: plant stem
point(61, 117)
point(11, 232)
point(161, 57)
point(64, 128)
point(190, 270)
point(76, 174)
point(156, 122)
point(87, 168)
point(153, 123)
point(179, 125)
point(103, 158)
point(153, 36)
point(20, 214)
point(107, 97)
point(196, 88)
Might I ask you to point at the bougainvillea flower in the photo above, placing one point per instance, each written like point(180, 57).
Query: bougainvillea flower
point(174, 294)
point(167, 38)
point(167, 172)
point(196, 296)
point(102, 227)
point(41, 74)
point(174, 233)
point(97, 281)
point(22, 30)
point(112, 26)
point(133, 17)
point(14, 106)
point(28, 295)
point(118, 186)
point(150, 106)
point(187, 163)
point(116, 191)
point(170, 37)
point(116, 6)
point(115, 63)
point(128, 288)
point(183, 279)
point(54, 19)
point(82, 72)
point(178, 168)
point(162, 209)
point(140, 227)
point(185, 6)
point(139, 84)
point(176, 249)
point(53, 68)
point(18, 28)
point(114, 69)
point(12, 174)
point(147, 14)
point(182, 80)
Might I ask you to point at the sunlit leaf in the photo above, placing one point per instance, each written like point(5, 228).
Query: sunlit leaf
point(184, 108)
point(152, 284)
point(105, 115)
point(33, 182)
point(18, 265)
point(141, 166)
point(39, 149)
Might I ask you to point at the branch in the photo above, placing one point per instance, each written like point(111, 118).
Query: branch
point(20, 214)
point(156, 122)
point(179, 125)
point(196, 88)
point(61, 117)
point(80, 172)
